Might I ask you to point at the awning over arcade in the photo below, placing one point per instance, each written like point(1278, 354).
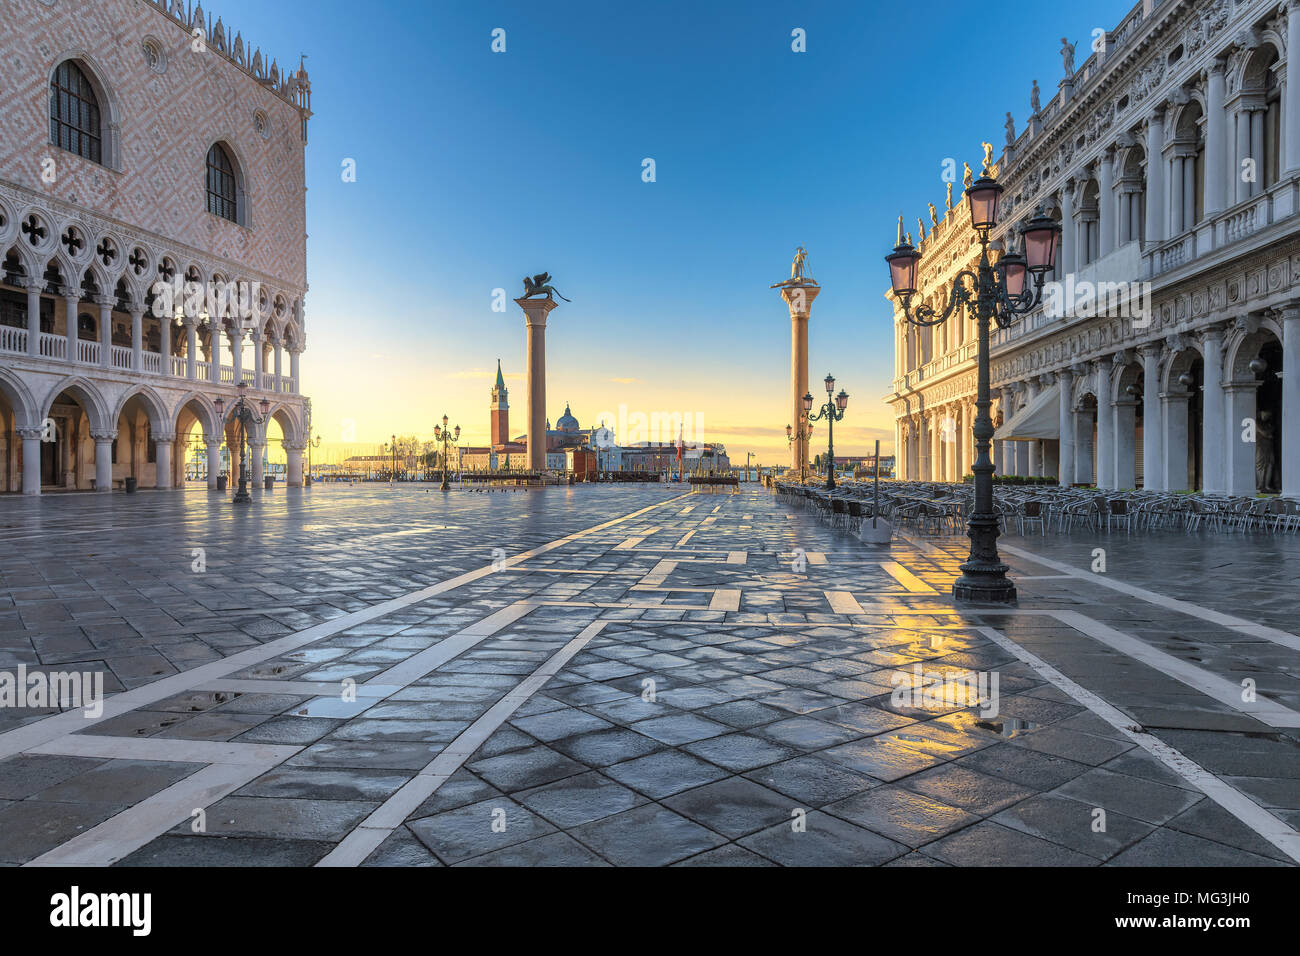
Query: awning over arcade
point(1039, 419)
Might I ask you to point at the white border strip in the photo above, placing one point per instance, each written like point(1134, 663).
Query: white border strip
point(1225, 795)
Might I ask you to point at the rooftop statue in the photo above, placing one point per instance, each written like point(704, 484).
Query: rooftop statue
point(539, 285)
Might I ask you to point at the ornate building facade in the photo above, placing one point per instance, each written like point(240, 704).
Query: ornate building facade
point(1167, 354)
point(153, 237)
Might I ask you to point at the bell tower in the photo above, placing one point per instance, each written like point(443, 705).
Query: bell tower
point(500, 410)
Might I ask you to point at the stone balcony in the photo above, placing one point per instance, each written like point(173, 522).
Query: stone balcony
point(53, 350)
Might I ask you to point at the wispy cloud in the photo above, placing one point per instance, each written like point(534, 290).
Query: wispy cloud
point(491, 374)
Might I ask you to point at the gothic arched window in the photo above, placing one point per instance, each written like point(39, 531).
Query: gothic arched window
point(223, 196)
point(74, 113)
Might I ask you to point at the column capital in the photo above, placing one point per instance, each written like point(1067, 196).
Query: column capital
point(1289, 312)
point(164, 438)
point(69, 292)
point(34, 284)
point(102, 438)
point(1064, 375)
point(30, 432)
point(105, 301)
point(1151, 349)
point(1212, 334)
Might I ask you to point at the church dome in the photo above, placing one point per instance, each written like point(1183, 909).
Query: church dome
point(567, 422)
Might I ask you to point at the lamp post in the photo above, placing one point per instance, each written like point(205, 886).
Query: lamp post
point(832, 411)
point(995, 294)
point(242, 412)
point(310, 445)
point(804, 434)
point(447, 437)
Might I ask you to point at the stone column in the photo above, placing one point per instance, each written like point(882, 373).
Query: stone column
point(71, 301)
point(1065, 461)
point(1069, 234)
point(1152, 454)
point(165, 346)
point(258, 361)
point(1242, 152)
point(31, 438)
point(1009, 461)
point(799, 300)
point(1083, 461)
point(191, 348)
point(294, 454)
point(1125, 434)
point(236, 339)
point(1289, 427)
point(163, 445)
point(105, 304)
point(1106, 204)
point(1174, 421)
point(1216, 140)
point(535, 313)
point(1105, 425)
point(1291, 117)
point(214, 463)
point(256, 453)
point(1177, 222)
point(296, 351)
point(1214, 415)
point(952, 432)
point(278, 342)
point(214, 353)
point(1240, 400)
point(104, 459)
point(137, 338)
point(33, 287)
point(1155, 176)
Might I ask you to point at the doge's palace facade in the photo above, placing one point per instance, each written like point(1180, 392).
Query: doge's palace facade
point(1167, 355)
point(153, 234)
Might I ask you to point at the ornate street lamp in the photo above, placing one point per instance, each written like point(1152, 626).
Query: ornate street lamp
point(832, 411)
point(447, 438)
point(994, 295)
point(242, 412)
point(803, 434)
point(310, 445)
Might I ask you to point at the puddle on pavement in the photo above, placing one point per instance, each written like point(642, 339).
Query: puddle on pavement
point(1007, 726)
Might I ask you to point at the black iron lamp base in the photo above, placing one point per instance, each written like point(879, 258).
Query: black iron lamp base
point(242, 497)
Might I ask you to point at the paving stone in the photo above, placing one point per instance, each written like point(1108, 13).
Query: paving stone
point(826, 841)
point(647, 836)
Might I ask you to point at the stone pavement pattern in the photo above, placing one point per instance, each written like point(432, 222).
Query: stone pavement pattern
point(628, 676)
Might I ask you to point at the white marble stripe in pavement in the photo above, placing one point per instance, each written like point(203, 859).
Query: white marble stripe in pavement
point(842, 602)
point(365, 839)
point(431, 658)
point(302, 688)
point(166, 748)
point(1208, 683)
point(126, 832)
point(1275, 831)
point(1230, 621)
point(906, 578)
point(49, 728)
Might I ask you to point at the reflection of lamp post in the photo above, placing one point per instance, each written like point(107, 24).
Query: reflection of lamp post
point(446, 437)
point(993, 295)
point(243, 413)
point(804, 434)
point(832, 411)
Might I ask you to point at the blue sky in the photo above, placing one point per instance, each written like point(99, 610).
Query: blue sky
point(474, 168)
